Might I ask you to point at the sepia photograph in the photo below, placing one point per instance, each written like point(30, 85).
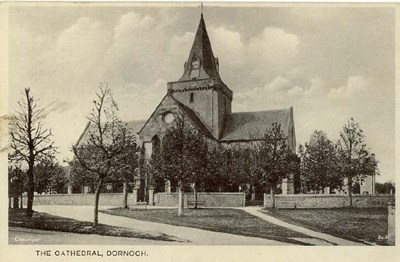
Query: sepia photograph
point(199, 123)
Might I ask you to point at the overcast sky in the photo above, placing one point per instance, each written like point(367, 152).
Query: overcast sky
point(330, 64)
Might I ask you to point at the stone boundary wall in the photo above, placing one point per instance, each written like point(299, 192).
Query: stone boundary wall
point(211, 199)
point(106, 199)
point(391, 225)
point(326, 201)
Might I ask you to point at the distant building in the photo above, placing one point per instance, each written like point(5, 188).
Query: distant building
point(364, 186)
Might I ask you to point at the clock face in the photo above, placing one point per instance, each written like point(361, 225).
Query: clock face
point(196, 63)
point(169, 117)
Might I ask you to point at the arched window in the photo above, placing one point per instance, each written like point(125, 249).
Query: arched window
point(155, 142)
point(191, 99)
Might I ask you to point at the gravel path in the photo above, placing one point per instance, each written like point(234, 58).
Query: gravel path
point(192, 235)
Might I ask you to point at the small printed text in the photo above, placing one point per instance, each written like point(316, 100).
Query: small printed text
point(91, 253)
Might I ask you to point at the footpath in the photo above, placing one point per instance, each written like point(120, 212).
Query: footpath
point(191, 235)
point(199, 236)
point(255, 211)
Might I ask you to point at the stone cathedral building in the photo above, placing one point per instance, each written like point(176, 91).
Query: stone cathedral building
point(206, 101)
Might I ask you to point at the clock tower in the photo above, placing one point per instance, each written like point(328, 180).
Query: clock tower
point(200, 87)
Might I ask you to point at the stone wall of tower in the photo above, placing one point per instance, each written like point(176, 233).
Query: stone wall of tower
point(218, 113)
point(211, 105)
point(224, 108)
point(202, 104)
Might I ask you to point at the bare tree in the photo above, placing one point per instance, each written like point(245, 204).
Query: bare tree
point(104, 143)
point(29, 139)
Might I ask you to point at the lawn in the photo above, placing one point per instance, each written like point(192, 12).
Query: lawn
point(232, 221)
point(359, 224)
point(44, 221)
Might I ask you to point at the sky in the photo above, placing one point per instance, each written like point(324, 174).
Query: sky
point(329, 63)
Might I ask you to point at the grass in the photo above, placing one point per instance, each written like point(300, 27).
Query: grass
point(357, 224)
point(232, 221)
point(44, 221)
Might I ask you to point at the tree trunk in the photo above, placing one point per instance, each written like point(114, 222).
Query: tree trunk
point(31, 189)
point(350, 189)
point(125, 190)
point(15, 202)
point(180, 202)
point(21, 196)
point(273, 195)
point(96, 202)
point(195, 196)
point(145, 193)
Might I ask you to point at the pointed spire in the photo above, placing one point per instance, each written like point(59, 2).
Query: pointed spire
point(201, 63)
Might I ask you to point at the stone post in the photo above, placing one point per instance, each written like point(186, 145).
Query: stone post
point(180, 203)
point(69, 189)
point(265, 199)
point(151, 197)
point(284, 186)
point(86, 190)
point(391, 225)
point(167, 186)
point(134, 196)
point(253, 193)
point(288, 185)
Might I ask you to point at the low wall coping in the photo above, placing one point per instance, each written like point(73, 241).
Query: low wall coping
point(326, 195)
point(203, 193)
point(78, 194)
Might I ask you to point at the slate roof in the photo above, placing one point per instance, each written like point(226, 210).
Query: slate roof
point(252, 125)
point(135, 125)
point(241, 126)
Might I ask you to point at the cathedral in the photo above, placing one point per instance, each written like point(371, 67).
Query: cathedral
point(202, 96)
point(206, 101)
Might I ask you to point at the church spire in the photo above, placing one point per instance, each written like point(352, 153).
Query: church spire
point(201, 63)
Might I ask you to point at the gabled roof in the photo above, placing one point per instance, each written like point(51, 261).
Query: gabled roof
point(190, 114)
point(84, 135)
point(202, 50)
point(241, 126)
point(152, 114)
point(135, 125)
point(244, 126)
